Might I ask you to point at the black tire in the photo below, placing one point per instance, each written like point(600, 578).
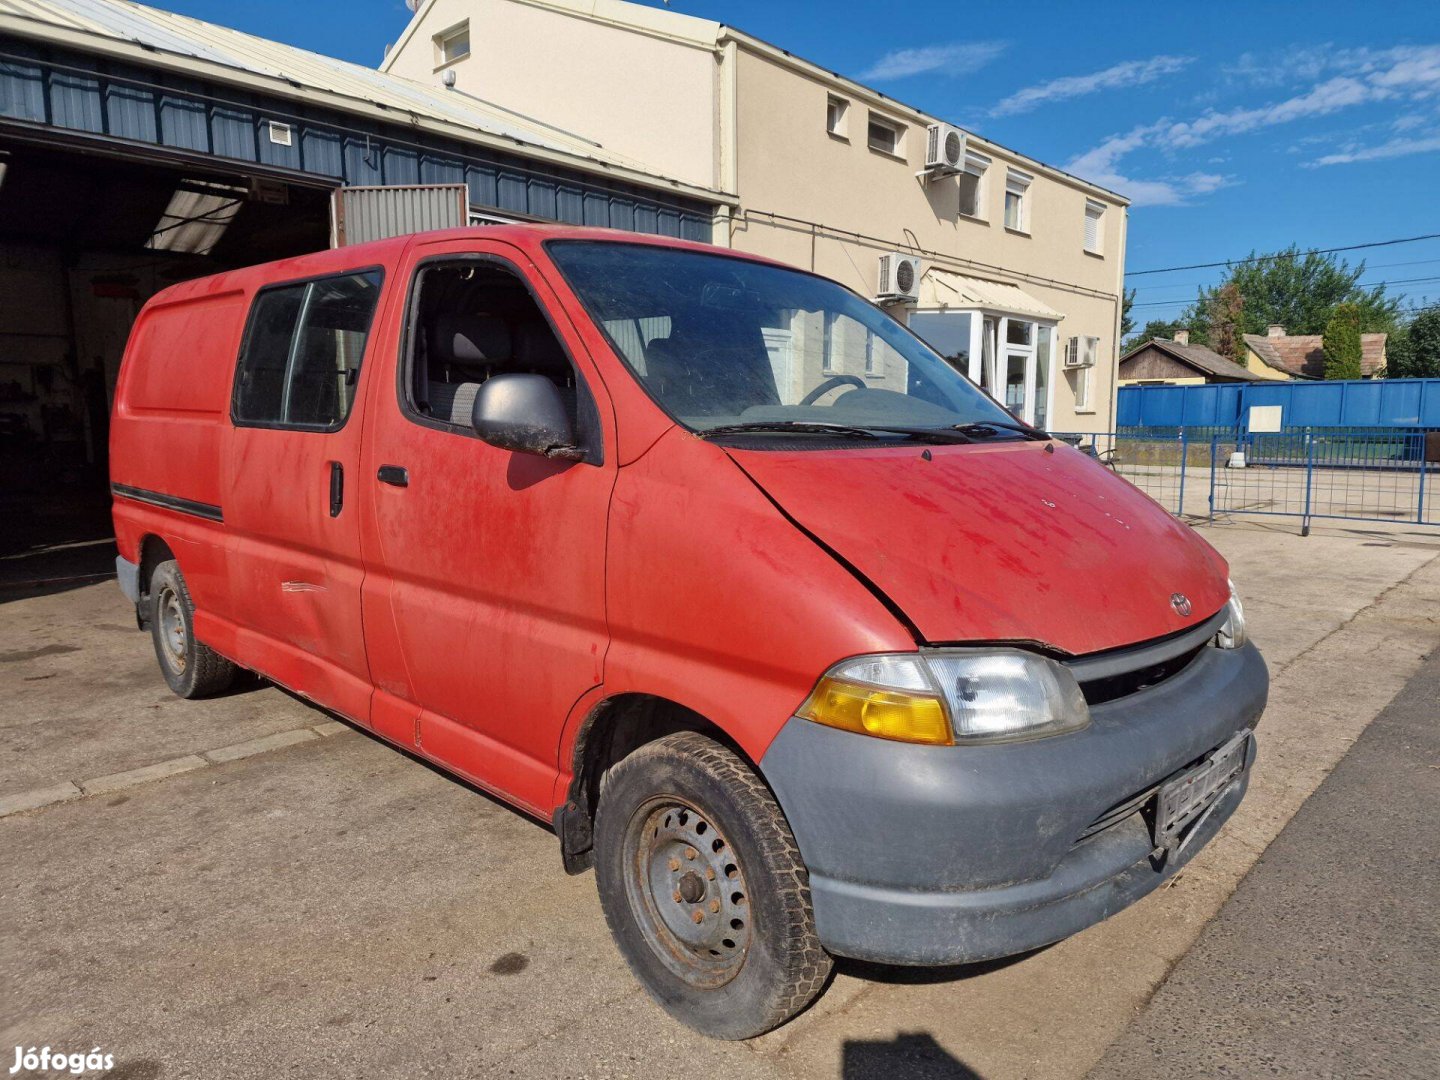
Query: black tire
point(732, 950)
point(191, 667)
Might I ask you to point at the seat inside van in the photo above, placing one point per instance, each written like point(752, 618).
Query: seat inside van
point(476, 321)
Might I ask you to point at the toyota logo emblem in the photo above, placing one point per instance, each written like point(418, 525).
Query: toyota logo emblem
point(1181, 603)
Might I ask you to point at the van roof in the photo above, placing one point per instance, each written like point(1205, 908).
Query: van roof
point(525, 236)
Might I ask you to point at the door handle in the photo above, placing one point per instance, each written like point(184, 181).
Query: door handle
point(337, 488)
point(395, 475)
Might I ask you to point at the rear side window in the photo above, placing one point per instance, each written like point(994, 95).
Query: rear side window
point(300, 361)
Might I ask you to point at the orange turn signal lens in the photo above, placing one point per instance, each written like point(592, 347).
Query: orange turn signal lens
point(901, 715)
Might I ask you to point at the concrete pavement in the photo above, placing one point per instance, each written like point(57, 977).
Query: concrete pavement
point(1326, 961)
point(336, 908)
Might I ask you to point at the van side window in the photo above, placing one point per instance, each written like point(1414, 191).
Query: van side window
point(301, 359)
point(472, 320)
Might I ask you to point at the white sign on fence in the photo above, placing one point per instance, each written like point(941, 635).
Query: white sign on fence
point(1265, 418)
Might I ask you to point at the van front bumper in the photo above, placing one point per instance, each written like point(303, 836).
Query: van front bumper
point(942, 855)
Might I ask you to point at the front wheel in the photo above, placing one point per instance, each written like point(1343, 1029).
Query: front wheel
point(704, 889)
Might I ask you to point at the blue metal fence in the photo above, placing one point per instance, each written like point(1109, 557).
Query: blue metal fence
point(1360, 403)
point(1374, 474)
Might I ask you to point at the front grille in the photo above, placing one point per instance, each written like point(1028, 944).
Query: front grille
point(1117, 673)
point(1099, 691)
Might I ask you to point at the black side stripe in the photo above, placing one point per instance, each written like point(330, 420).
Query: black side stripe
point(169, 502)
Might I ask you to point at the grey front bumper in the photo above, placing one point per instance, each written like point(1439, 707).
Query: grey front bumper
point(936, 855)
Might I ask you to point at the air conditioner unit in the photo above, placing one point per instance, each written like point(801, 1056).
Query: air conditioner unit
point(944, 150)
point(899, 278)
point(1080, 352)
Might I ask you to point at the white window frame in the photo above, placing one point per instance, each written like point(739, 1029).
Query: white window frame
point(445, 37)
point(996, 350)
point(898, 128)
point(1094, 210)
point(827, 344)
point(837, 116)
point(978, 166)
point(1017, 183)
point(1081, 347)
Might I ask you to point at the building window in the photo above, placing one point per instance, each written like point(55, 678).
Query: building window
point(885, 135)
point(972, 186)
point(837, 112)
point(452, 44)
point(1094, 226)
point(1080, 386)
point(1017, 201)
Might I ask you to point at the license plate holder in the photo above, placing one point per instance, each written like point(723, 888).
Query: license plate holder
point(1184, 801)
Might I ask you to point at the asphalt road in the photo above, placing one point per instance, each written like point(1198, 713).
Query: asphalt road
point(242, 888)
point(1326, 961)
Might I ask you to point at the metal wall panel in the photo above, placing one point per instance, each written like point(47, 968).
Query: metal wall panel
point(1334, 404)
point(375, 213)
point(68, 89)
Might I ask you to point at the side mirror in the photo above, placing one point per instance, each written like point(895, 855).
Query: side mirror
point(525, 413)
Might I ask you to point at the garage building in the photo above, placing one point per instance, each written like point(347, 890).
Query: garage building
point(139, 148)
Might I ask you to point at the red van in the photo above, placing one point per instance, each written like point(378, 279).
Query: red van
point(792, 633)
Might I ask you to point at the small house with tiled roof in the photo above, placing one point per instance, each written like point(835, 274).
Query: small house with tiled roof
point(1167, 362)
point(1278, 355)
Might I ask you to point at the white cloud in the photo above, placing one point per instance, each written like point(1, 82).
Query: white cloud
point(1404, 74)
point(1125, 74)
point(1100, 166)
point(956, 58)
point(1392, 149)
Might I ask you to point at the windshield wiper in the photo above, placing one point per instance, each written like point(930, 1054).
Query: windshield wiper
point(990, 427)
point(825, 427)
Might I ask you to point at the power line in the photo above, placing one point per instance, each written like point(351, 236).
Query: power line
point(1287, 255)
point(1358, 284)
point(1201, 284)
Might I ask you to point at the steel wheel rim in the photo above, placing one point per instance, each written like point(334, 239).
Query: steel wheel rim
point(686, 886)
point(172, 627)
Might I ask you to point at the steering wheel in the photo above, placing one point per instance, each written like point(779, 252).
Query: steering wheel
point(830, 384)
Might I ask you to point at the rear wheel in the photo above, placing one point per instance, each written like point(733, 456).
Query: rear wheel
point(704, 889)
point(192, 668)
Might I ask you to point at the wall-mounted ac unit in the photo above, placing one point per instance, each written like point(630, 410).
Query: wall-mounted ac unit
point(1080, 352)
point(944, 150)
point(899, 278)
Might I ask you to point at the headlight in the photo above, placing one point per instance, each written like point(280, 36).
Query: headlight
point(1232, 634)
point(948, 696)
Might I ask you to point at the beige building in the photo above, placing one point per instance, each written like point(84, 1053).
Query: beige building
point(1009, 267)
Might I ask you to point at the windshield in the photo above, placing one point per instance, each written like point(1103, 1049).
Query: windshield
point(725, 344)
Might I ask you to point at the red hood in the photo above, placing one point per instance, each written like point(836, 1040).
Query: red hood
point(1001, 543)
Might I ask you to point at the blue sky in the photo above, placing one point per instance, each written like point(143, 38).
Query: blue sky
point(1232, 126)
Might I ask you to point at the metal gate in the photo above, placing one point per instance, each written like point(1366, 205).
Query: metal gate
point(1374, 474)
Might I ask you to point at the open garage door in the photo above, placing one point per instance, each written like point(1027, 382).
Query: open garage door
point(85, 240)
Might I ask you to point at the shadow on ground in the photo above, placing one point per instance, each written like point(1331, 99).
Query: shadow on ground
point(915, 1056)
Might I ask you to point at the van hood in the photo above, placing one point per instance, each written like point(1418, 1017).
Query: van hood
point(1005, 542)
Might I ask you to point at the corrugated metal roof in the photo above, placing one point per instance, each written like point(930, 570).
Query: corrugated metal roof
point(942, 288)
point(183, 36)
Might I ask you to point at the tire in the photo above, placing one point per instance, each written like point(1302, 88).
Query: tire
point(704, 889)
point(192, 668)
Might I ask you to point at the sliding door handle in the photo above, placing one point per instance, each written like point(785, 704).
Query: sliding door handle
point(395, 475)
point(337, 488)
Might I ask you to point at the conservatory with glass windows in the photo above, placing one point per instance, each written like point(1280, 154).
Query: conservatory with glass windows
point(1003, 338)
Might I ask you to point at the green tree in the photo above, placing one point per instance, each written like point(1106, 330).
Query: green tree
point(1413, 351)
point(1342, 343)
point(1300, 292)
point(1225, 315)
point(1127, 322)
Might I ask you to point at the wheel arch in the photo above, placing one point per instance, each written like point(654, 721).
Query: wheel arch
point(153, 551)
point(614, 728)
